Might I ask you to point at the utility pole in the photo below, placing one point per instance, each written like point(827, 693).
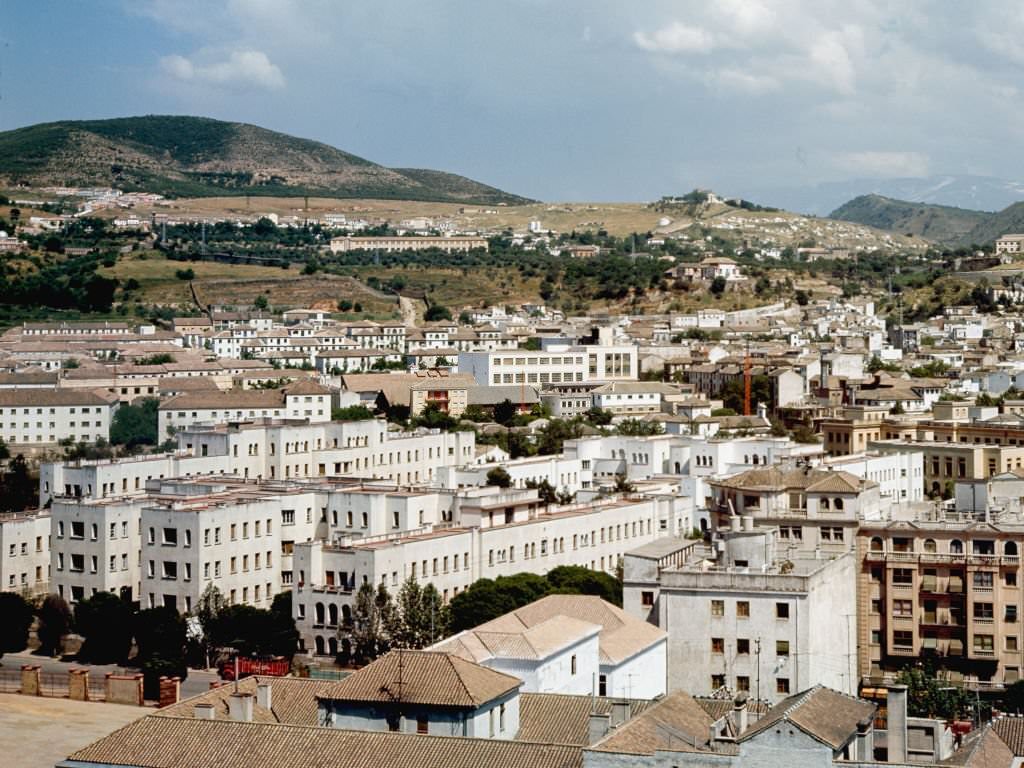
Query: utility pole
point(757, 657)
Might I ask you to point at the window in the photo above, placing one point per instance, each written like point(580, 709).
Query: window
point(903, 638)
point(743, 646)
point(717, 645)
point(742, 683)
point(902, 576)
point(782, 685)
point(982, 580)
point(1011, 643)
point(1011, 614)
point(572, 664)
point(782, 647)
point(717, 681)
point(983, 611)
point(983, 644)
point(902, 608)
point(782, 610)
point(602, 685)
point(647, 598)
point(421, 725)
point(1010, 578)
point(170, 537)
point(718, 607)
point(287, 517)
point(742, 609)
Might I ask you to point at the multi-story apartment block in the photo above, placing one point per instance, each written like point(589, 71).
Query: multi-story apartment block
point(32, 418)
point(95, 547)
point(25, 553)
point(946, 463)
point(267, 449)
point(301, 400)
point(943, 587)
point(489, 533)
point(557, 364)
point(389, 243)
point(750, 621)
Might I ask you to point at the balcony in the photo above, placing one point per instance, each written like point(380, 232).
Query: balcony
point(900, 650)
point(943, 558)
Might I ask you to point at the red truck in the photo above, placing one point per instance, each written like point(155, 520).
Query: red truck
point(273, 666)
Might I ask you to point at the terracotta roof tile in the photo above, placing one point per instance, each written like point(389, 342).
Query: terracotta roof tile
point(824, 714)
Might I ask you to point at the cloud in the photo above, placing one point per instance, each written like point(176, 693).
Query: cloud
point(744, 81)
point(245, 68)
point(676, 38)
point(883, 164)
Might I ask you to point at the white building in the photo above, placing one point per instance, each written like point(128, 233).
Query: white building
point(557, 364)
point(36, 418)
point(25, 553)
point(746, 621)
point(572, 644)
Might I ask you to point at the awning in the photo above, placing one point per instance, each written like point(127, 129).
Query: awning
point(928, 583)
point(956, 583)
point(929, 642)
point(956, 647)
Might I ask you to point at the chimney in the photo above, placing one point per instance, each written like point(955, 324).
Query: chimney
point(896, 733)
point(620, 713)
point(739, 714)
point(598, 727)
point(748, 522)
point(240, 707)
point(734, 523)
point(263, 697)
point(865, 741)
point(204, 711)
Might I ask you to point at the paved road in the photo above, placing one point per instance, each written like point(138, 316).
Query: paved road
point(198, 680)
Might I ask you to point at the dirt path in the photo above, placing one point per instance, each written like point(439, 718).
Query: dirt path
point(410, 314)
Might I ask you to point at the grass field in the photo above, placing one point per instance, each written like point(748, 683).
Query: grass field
point(240, 285)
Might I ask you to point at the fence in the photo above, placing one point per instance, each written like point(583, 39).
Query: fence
point(79, 685)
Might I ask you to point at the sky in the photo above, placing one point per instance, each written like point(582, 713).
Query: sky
point(555, 99)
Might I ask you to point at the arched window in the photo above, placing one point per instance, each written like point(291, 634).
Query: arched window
point(332, 646)
point(332, 615)
point(678, 469)
point(956, 547)
point(929, 545)
point(824, 503)
point(319, 646)
point(1010, 549)
point(319, 613)
point(746, 459)
point(346, 615)
point(838, 504)
point(876, 544)
point(755, 459)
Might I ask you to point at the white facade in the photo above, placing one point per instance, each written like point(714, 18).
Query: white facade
point(25, 553)
point(35, 417)
point(557, 364)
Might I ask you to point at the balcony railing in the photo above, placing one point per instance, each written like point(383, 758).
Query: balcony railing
point(942, 557)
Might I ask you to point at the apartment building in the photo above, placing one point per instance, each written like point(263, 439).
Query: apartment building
point(742, 617)
point(565, 475)
point(944, 587)
point(557, 364)
point(25, 553)
point(631, 398)
point(95, 547)
point(268, 449)
point(301, 400)
point(391, 243)
point(33, 418)
point(946, 463)
point(489, 533)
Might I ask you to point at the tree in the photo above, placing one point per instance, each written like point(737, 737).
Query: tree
point(929, 697)
point(599, 417)
point(465, 318)
point(54, 622)
point(18, 489)
point(577, 580)
point(544, 489)
point(801, 297)
point(104, 620)
point(161, 637)
point(553, 436)
point(351, 413)
point(185, 274)
point(16, 614)
point(261, 302)
point(638, 428)
point(419, 618)
point(432, 417)
point(437, 312)
point(208, 608)
point(499, 477)
point(367, 631)
point(718, 286)
point(136, 424)
point(505, 412)
point(1013, 698)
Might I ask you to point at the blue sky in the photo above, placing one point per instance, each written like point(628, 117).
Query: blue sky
point(556, 99)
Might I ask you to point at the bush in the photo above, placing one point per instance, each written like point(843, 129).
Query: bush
point(16, 614)
point(54, 623)
point(105, 620)
point(185, 274)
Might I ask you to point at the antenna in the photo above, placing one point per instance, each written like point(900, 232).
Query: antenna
point(757, 655)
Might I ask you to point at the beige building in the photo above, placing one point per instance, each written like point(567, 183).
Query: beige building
point(945, 588)
point(390, 243)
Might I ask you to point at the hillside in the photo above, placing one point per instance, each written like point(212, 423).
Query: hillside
point(939, 223)
point(1009, 220)
point(181, 156)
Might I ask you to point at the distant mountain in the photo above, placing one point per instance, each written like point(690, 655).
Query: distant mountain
point(981, 193)
point(200, 157)
point(938, 223)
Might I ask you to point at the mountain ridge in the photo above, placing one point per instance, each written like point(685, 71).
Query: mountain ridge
point(187, 156)
point(939, 223)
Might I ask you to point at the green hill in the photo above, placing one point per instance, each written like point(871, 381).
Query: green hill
point(1007, 221)
point(938, 223)
point(181, 156)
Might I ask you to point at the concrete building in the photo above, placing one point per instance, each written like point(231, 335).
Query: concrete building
point(25, 553)
point(392, 243)
point(572, 644)
point(32, 418)
point(742, 619)
point(557, 364)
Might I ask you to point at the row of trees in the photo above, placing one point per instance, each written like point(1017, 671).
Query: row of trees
point(416, 617)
